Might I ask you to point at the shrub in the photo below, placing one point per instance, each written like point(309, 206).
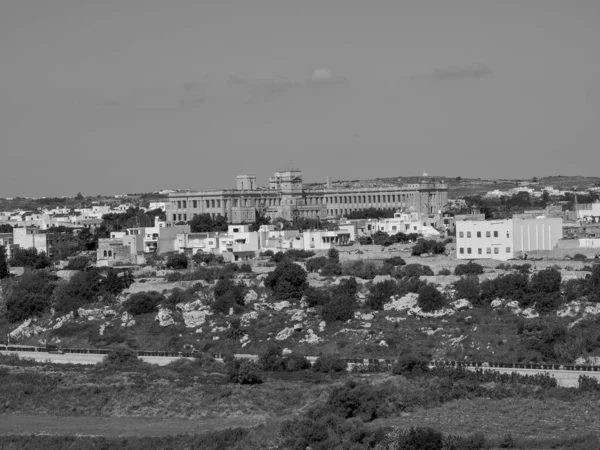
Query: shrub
point(143, 302)
point(244, 372)
point(271, 359)
point(365, 240)
point(420, 438)
point(424, 246)
point(329, 363)
point(395, 261)
point(357, 400)
point(295, 363)
point(348, 288)
point(177, 261)
point(315, 264)
point(266, 253)
point(338, 309)
point(546, 281)
point(174, 276)
point(287, 281)
point(410, 364)
point(207, 258)
point(82, 289)
point(331, 269)
point(367, 270)
point(468, 288)
point(513, 286)
point(245, 268)
point(470, 268)
point(78, 263)
point(416, 270)
point(333, 254)
point(380, 293)
point(316, 297)
point(579, 257)
point(29, 257)
point(235, 330)
point(177, 296)
point(430, 299)
point(121, 357)
point(445, 271)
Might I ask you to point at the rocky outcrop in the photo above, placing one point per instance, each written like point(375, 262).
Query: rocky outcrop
point(165, 317)
point(26, 330)
point(363, 316)
point(246, 318)
point(251, 297)
point(191, 306)
point(298, 315)
point(279, 306)
point(284, 334)
point(442, 312)
point(311, 338)
point(461, 304)
point(402, 303)
point(127, 320)
point(322, 325)
point(62, 320)
point(97, 313)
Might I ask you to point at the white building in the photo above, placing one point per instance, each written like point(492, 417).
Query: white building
point(506, 239)
point(406, 222)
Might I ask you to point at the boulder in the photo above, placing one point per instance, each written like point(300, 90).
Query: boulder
point(96, 313)
point(530, 313)
point(284, 334)
point(497, 303)
point(383, 344)
point(281, 305)
point(322, 326)
point(461, 304)
point(381, 278)
point(193, 319)
point(403, 303)
point(298, 326)
point(191, 306)
point(103, 327)
point(311, 338)
point(298, 315)
point(443, 312)
point(244, 340)
point(165, 317)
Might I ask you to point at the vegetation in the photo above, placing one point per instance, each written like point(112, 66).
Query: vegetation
point(29, 257)
point(287, 281)
point(424, 246)
point(30, 295)
point(4, 273)
point(177, 261)
point(144, 302)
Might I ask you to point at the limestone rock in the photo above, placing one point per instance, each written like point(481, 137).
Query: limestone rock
point(26, 330)
point(286, 351)
point(298, 315)
point(244, 340)
point(281, 305)
point(191, 306)
point(96, 313)
point(311, 338)
point(298, 326)
point(530, 313)
point(62, 320)
point(103, 327)
point(363, 316)
point(461, 304)
point(165, 317)
point(284, 334)
point(246, 318)
point(401, 304)
point(251, 297)
point(383, 344)
point(443, 312)
point(497, 303)
point(193, 319)
point(381, 278)
point(322, 326)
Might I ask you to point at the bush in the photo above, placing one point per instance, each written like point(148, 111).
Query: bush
point(420, 438)
point(444, 272)
point(470, 268)
point(430, 299)
point(266, 253)
point(395, 261)
point(295, 363)
point(245, 268)
point(177, 261)
point(121, 357)
point(29, 257)
point(380, 293)
point(244, 372)
point(207, 258)
point(287, 281)
point(333, 254)
point(416, 270)
point(272, 358)
point(357, 400)
point(316, 297)
point(143, 302)
point(365, 240)
point(579, 257)
point(82, 289)
point(410, 364)
point(78, 263)
point(329, 363)
point(424, 246)
point(177, 296)
point(331, 269)
point(468, 288)
point(315, 264)
point(367, 270)
point(338, 309)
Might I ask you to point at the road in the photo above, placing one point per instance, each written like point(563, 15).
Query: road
point(565, 378)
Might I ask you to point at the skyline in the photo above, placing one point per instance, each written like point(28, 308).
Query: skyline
point(138, 97)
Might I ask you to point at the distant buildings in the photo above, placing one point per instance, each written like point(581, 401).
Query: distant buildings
point(287, 197)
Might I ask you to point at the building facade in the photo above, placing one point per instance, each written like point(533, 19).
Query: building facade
point(287, 197)
point(506, 239)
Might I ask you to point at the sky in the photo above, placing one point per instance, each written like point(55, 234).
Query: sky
point(117, 96)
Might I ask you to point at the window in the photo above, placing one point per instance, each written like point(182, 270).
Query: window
point(507, 249)
point(185, 217)
point(489, 250)
point(496, 250)
point(393, 227)
point(480, 251)
point(179, 218)
point(488, 234)
point(184, 204)
point(174, 217)
point(462, 251)
point(479, 234)
point(469, 250)
point(508, 234)
point(212, 204)
point(496, 234)
point(461, 234)
point(468, 234)
point(208, 203)
point(179, 204)
point(194, 203)
point(218, 203)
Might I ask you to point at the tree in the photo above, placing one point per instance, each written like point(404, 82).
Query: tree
point(78, 263)
point(428, 246)
point(79, 196)
point(4, 272)
point(333, 254)
point(287, 281)
point(177, 261)
point(30, 296)
point(143, 302)
point(203, 223)
point(468, 288)
point(82, 289)
point(29, 257)
point(430, 299)
point(380, 293)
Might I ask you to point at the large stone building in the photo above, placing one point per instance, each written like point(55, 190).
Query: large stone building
point(287, 197)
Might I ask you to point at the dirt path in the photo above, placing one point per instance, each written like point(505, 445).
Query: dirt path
point(116, 426)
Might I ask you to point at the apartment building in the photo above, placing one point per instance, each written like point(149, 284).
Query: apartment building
point(506, 239)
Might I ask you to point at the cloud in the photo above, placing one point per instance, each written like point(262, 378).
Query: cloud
point(457, 73)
